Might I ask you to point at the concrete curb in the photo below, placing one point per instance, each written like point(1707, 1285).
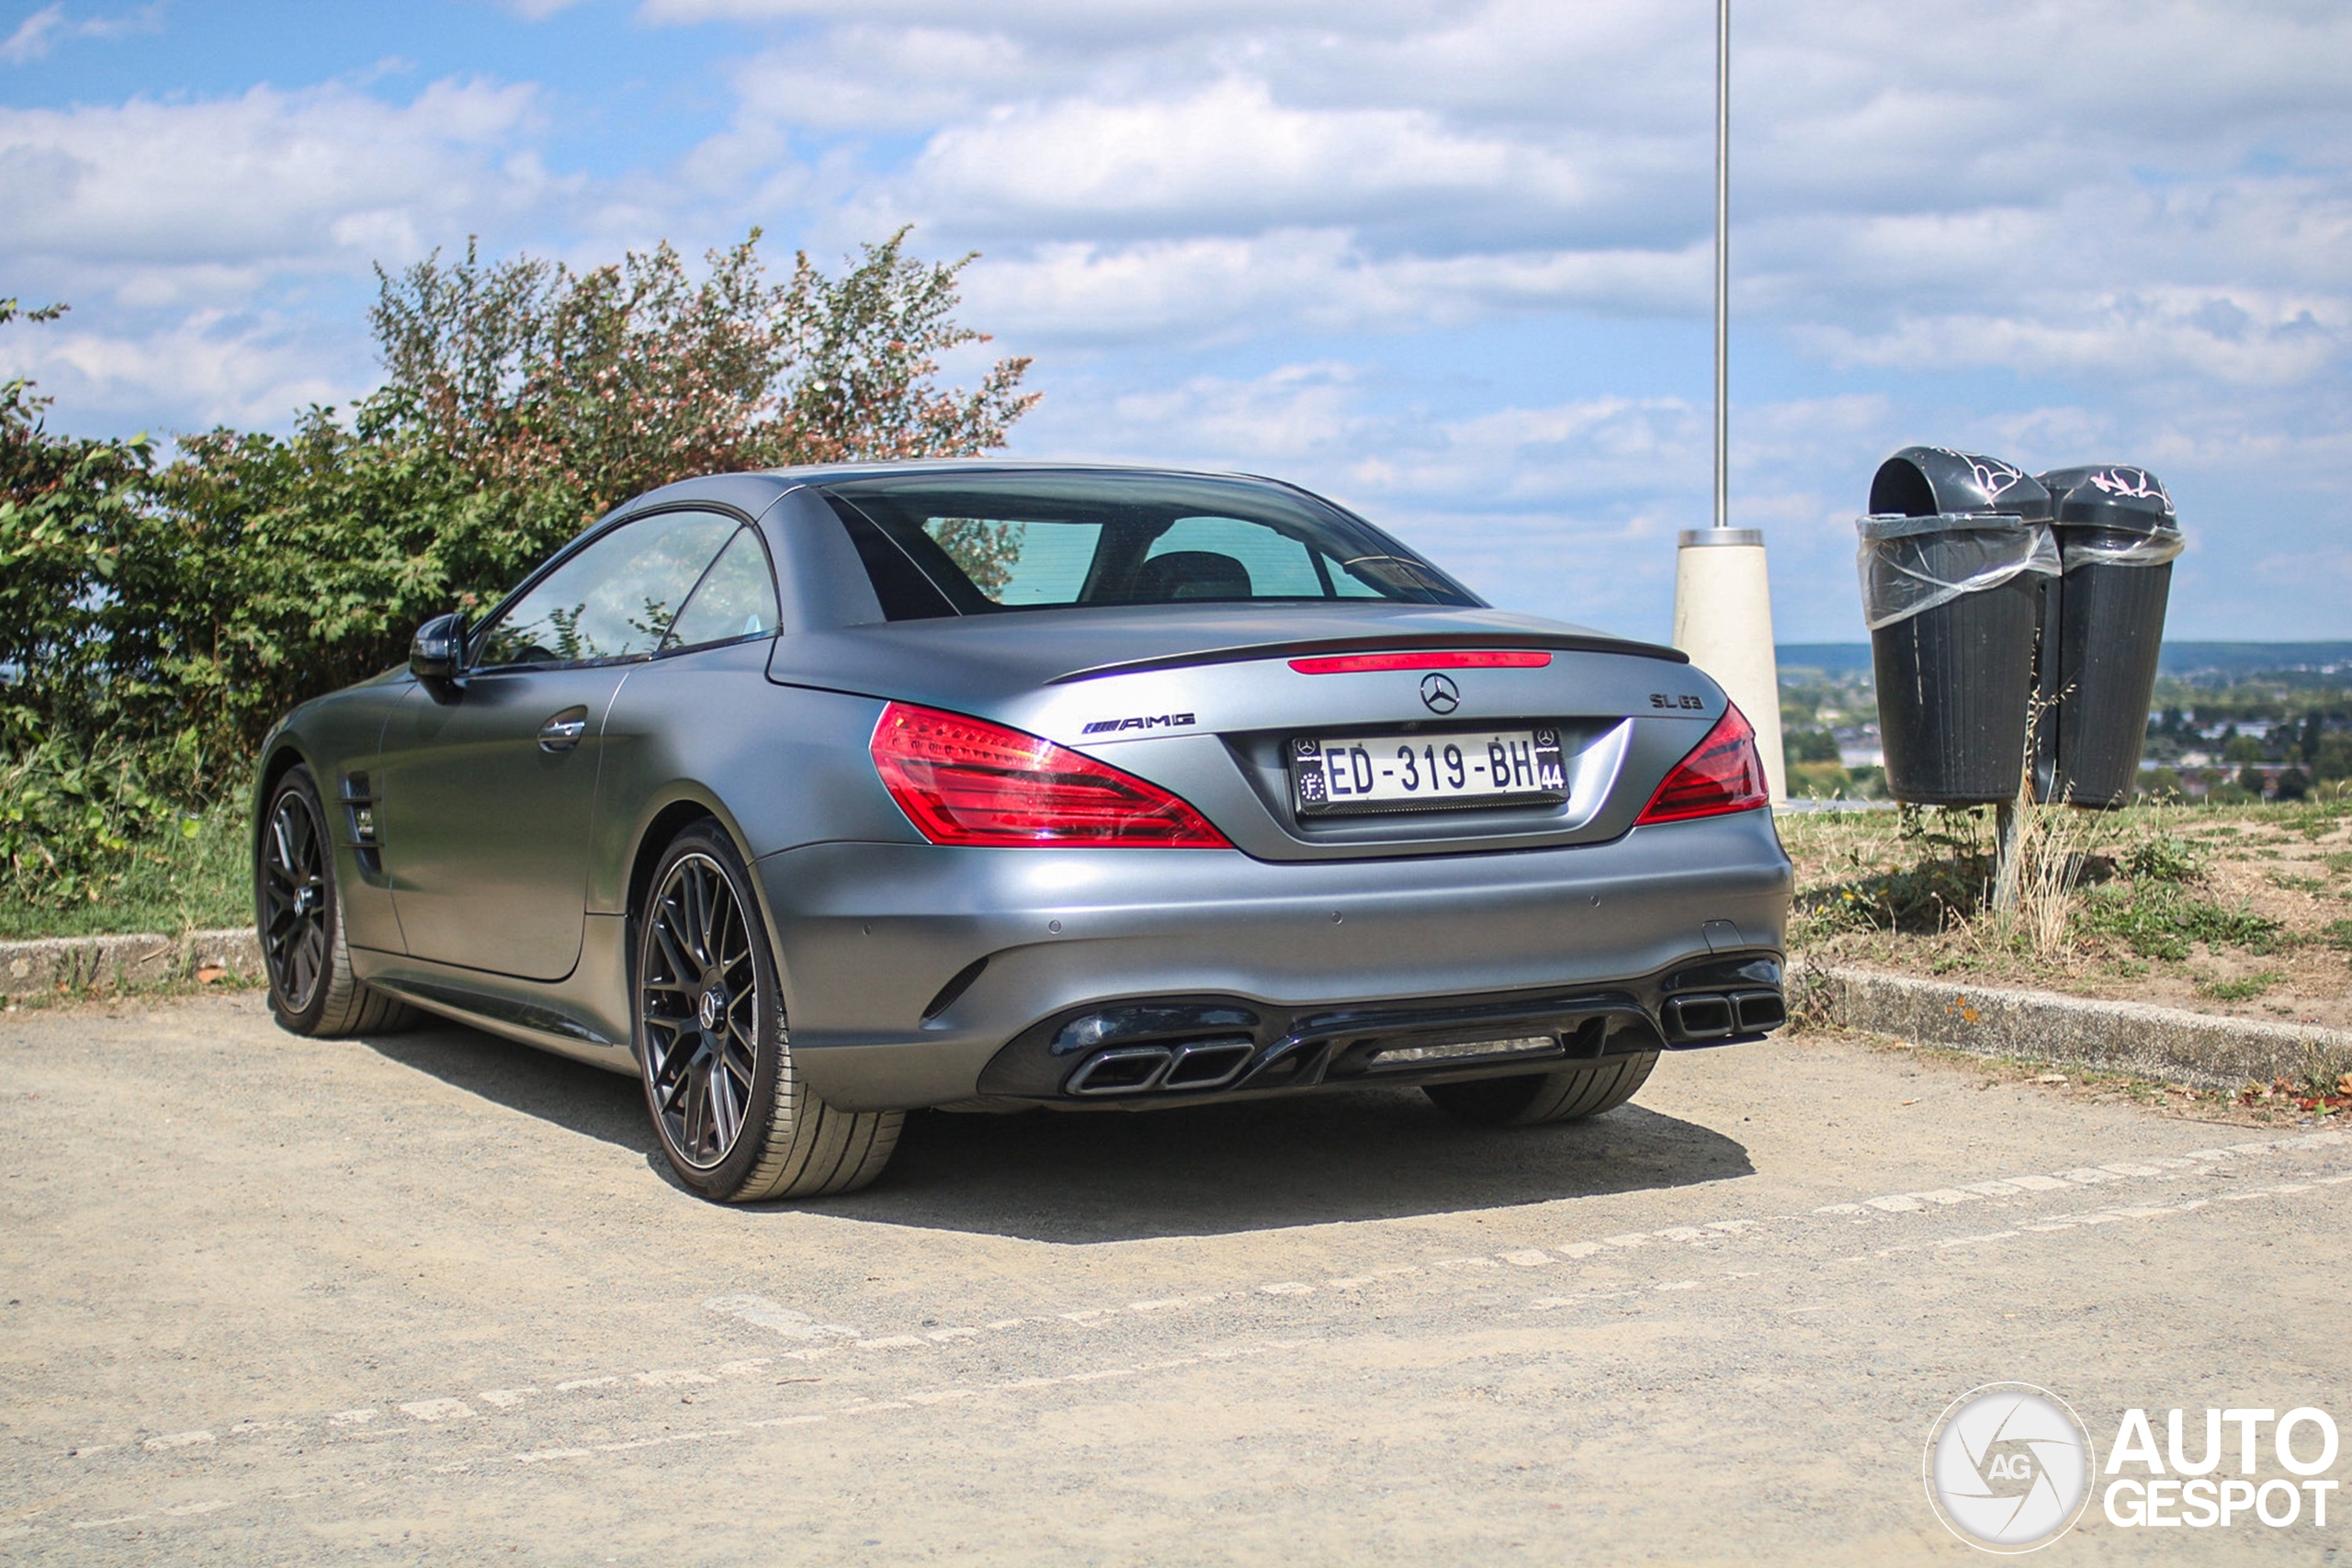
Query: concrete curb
point(2202, 1049)
point(111, 963)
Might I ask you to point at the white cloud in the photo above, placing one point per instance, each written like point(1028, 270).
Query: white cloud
point(30, 41)
point(1226, 157)
point(1208, 289)
point(35, 35)
point(2233, 337)
point(933, 74)
point(327, 175)
point(2085, 194)
point(1112, 23)
point(185, 232)
point(206, 367)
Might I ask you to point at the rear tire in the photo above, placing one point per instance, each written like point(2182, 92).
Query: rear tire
point(1544, 1098)
point(736, 1121)
point(298, 912)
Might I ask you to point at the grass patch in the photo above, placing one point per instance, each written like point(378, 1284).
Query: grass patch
point(2161, 921)
point(2118, 894)
point(197, 878)
point(2245, 988)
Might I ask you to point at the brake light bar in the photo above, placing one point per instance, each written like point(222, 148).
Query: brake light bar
point(1427, 658)
point(1722, 774)
point(965, 780)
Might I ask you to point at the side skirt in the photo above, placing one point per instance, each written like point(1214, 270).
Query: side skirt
point(584, 1016)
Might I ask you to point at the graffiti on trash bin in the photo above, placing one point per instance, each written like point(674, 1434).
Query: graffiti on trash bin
point(2131, 484)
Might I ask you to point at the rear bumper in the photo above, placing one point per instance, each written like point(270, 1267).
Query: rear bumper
point(909, 968)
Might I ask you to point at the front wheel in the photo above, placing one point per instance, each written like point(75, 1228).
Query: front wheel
point(735, 1118)
point(299, 913)
point(1541, 1097)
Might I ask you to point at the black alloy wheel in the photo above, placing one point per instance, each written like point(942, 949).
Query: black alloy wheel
point(298, 913)
point(735, 1117)
point(700, 1007)
point(297, 901)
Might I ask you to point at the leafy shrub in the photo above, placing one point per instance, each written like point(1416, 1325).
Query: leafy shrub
point(70, 818)
point(2163, 858)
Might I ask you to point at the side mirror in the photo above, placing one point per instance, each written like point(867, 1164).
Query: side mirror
point(436, 655)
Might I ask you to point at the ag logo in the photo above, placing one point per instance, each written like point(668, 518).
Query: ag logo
point(2009, 1467)
point(1439, 694)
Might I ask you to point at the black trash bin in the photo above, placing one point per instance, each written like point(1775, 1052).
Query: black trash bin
point(1953, 559)
point(2102, 624)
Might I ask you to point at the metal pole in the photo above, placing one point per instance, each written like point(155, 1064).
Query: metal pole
point(1722, 594)
point(1723, 264)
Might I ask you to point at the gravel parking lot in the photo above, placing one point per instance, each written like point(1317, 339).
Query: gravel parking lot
point(429, 1298)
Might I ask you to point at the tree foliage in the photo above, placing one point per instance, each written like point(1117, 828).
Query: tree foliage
point(601, 384)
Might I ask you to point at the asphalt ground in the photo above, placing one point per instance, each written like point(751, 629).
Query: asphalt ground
point(429, 1297)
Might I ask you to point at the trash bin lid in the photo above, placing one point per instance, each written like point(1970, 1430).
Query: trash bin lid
point(2111, 495)
point(1922, 481)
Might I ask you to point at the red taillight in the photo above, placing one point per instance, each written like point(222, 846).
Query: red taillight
point(963, 781)
point(1435, 659)
point(1723, 774)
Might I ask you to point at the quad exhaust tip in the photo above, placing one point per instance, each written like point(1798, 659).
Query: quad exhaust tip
point(1704, 1020)
point(1140, 1069)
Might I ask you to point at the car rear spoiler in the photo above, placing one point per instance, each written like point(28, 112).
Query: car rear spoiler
point(1565, 643)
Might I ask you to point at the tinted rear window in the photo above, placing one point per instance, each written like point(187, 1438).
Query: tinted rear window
point(972, 544)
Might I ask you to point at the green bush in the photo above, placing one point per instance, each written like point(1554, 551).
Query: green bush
point(69, 818)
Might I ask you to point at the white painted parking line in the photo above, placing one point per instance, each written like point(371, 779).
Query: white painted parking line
point(1757, 1236)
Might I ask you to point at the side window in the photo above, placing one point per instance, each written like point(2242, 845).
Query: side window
point(736, 598)
point(617, 599)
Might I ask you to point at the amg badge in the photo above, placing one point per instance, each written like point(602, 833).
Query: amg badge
point(1157, 721)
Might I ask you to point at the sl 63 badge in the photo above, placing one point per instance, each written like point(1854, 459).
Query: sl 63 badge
point(1669, 700)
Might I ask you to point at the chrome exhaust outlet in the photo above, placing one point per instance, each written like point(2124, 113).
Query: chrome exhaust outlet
point(1691, 1020)
point(1208, 1063)
point(1135, 1070)
point(1759, 1010)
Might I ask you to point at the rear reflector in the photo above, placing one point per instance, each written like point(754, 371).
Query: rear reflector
point(1433, 658)
point(963, 781)
point(1723, 774)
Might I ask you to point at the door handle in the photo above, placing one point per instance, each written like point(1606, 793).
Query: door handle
point(563, 732)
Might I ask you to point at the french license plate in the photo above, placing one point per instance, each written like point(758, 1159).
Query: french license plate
point(1392, 772)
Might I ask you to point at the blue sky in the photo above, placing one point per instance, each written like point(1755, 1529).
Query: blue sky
point(1447, 262)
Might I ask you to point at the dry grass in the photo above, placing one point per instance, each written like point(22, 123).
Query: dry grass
point(2243, 909)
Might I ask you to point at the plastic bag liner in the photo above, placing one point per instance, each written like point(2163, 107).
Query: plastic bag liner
point(2112, 547)
point(1911, 565)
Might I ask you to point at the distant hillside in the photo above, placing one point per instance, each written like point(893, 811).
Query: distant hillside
point(2223, 662)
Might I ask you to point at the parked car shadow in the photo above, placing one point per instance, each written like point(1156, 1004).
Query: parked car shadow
point(1111, 1175)
point(1209, 1170)
point(602, 1105)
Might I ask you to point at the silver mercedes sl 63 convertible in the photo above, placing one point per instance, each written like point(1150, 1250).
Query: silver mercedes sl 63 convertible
point(819, 795)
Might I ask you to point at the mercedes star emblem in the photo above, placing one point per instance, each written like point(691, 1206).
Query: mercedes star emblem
point(1440, 694)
